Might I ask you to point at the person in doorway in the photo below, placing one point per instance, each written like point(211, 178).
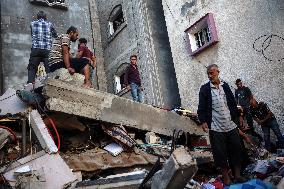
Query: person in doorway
point(217, 112)
point(85, 52)
point(243, 95)
point(132, 79)
point(42, 32)
point(266, 119)
point(59, 56)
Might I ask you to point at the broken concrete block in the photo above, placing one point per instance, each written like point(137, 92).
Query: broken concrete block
point(42, 133)
point(151, 138)
point(11, 103)
point(176, 172)
point(66, 97)
point(57, 173)
point(30, 180)
point(63, 74)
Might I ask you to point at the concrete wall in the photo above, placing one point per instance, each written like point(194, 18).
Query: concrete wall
point(239, 24)
point(144, 33)
point(15, 33)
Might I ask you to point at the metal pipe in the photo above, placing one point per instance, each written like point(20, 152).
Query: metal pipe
point(24, 136)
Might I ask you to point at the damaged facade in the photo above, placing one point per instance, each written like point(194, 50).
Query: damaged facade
point(101, 138)
point(138, 27)
point(244, 48)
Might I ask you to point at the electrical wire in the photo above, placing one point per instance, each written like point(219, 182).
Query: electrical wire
point(56, 132)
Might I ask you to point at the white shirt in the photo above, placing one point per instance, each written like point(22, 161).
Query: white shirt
point(221, 117)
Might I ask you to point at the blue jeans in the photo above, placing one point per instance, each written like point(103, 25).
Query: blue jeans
point(272, 124)
point(136, 92)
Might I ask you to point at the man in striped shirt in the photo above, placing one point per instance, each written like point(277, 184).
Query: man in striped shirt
point(59, 56)
point(42, 32)
point(217, 111)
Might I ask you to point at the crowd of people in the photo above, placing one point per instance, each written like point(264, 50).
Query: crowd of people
point(55, 54)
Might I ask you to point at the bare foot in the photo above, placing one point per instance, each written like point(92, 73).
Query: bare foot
point(87, 84)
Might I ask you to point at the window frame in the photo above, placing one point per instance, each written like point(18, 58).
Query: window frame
point(206, 21)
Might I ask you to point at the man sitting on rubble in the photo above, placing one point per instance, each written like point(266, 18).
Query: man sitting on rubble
point(266, 119)
point(59, 56)
point(85, 52)
point(216, 111)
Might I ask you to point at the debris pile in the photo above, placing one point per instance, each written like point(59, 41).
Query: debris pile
point(60, 135)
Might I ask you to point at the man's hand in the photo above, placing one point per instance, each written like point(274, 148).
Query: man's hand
point(260, 122)
point(242, 125)
point(71, 71)
point(128, 87)
point(205, 127)
point(141, 88)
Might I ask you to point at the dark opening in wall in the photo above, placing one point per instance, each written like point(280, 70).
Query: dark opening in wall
point(116, 19)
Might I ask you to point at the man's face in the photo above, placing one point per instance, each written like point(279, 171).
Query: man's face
point(239, 85)
point(74, 36)
point(133, 60)
point(253, 103)
point(213, 74)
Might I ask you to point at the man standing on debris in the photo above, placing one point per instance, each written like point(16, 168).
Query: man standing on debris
point(243, 96)
point(132, 79)
point(42, 33)
point(266, 119)
point(59, 56)
point(216, 111)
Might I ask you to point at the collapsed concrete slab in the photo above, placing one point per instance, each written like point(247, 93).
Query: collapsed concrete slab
point(176, 172)
point(67, 97)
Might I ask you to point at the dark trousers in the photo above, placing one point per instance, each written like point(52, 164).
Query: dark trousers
point(226, 148)
point(37, 56)
point(272, 124)
point(249, 120)
point(76, 63)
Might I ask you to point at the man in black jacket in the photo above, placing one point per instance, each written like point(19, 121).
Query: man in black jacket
point(243, 96)
point(217, 111)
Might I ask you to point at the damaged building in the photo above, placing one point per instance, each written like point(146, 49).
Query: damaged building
point(58, 134)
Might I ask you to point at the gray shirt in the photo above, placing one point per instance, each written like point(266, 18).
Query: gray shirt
point(221, 117)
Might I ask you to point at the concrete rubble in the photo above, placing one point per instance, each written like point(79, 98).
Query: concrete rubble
point(86, 121)
point(56, 172)
point(177, 171)
point(11, 103)
point(130, 180)
point(64, 96)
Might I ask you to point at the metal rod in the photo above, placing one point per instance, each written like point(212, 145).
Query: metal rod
point(24, 136)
